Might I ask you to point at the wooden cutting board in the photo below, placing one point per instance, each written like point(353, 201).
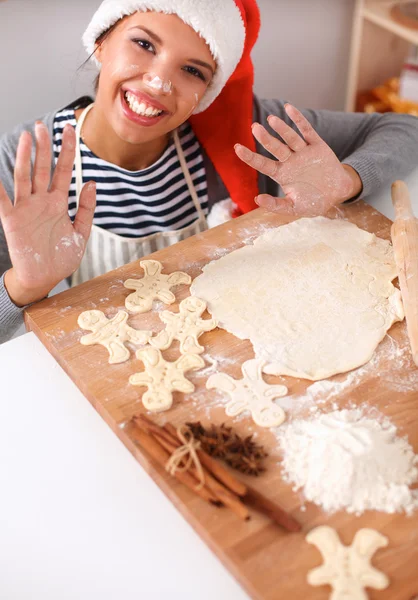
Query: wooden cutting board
point(269, 563)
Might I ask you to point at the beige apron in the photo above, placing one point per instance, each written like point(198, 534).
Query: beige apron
point(105, 250)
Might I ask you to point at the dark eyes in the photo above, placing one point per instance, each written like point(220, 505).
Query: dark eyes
point(148, 47)
point(195, 72)
point(145, 45)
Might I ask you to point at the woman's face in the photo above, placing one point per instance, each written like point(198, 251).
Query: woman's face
point(151, 62)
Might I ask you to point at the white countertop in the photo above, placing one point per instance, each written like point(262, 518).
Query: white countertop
point(79, 518)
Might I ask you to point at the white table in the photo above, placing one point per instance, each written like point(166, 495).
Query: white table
point(79, 518)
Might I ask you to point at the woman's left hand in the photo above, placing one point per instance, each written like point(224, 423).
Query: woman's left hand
point(308, 171)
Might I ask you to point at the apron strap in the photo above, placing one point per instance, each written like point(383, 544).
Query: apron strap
point(78, 164)
point(188, 178)
point(180, 153)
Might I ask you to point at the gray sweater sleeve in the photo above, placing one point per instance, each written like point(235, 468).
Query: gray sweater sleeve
point(11, 316)
point(380, 147)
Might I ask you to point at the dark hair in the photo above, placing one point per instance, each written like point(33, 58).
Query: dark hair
point(102, 37)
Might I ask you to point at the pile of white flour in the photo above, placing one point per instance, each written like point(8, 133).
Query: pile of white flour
point(348, 460)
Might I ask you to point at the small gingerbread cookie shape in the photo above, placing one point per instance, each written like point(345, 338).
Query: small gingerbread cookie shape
point(163, 377)
point(111, 333)
point(155, 285)
point(186, 326)
point(251, 393)
point(347, 569)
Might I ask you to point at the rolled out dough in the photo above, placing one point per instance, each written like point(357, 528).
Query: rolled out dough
point(314, 297)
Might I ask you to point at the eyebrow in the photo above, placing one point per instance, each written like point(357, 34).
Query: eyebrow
point(201, 63)
point(155, 37)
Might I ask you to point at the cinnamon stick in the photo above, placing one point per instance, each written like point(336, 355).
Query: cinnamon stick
point(169, 434)
point(161, 456)
point(248, 495)
point(227, 498)
point(171, 444)
point(256, 500)
point(216, 468)
point(166, 445)
point(151, 427)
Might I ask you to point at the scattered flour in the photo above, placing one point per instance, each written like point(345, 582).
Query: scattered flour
point(244, 236)
point(391, 364)
point(210, 368)
point(350, 460)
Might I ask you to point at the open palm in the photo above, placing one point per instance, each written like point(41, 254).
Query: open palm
point(314, 180)
point(306, 168)
point(45, 246)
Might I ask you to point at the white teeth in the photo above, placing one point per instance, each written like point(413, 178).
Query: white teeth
point(141, 109)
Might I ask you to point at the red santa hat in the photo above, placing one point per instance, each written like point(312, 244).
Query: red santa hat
point(225, 113)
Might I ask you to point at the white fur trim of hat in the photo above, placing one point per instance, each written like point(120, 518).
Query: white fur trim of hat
point(218, 22)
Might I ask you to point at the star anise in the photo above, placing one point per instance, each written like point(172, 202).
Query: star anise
point(242, 454)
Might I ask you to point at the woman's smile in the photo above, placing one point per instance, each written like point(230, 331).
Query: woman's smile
point(141, 108)
point(154, 71)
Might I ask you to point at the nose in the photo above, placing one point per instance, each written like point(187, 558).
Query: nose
point(157, 84)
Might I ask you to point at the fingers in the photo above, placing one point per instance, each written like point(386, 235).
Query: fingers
point(260, 163)
point(84, 217)
point(289, 135)
point(22, 173)
point(272, 144)
point(306, 129)
point(61, 180)
point(282, 206)
point(42, 168)
point(6, 205)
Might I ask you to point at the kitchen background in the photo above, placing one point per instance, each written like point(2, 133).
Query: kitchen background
point(302, 54)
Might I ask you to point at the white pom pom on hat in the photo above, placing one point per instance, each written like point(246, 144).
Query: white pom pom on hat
point(218, 22)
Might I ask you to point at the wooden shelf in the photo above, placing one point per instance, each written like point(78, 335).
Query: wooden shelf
point(379, 47)
point(379, 13)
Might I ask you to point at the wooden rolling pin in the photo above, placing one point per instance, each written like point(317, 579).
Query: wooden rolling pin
point(405, 243)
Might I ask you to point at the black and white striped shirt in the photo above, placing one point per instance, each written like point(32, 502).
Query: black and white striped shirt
point(138, 203)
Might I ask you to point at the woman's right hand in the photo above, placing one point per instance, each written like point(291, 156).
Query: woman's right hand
point(45, 246)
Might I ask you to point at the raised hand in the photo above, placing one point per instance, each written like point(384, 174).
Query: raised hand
point(308, 171)
point(45, 246)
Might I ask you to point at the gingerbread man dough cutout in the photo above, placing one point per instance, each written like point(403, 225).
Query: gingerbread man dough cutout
point(153, 286)
point(251, 393)
point(186, 326)
point(162, 377)
point(111, 333)
point(347, 569)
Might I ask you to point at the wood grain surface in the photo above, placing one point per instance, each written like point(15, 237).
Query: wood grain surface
point(269, 563)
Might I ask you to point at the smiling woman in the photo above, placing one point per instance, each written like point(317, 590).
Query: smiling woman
point(173, 139)
point(149, 78)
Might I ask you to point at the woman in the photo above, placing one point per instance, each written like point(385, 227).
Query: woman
point(174, 140)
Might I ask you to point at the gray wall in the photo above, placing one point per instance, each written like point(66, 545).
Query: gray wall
point(301, 55)
point(303, 50)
